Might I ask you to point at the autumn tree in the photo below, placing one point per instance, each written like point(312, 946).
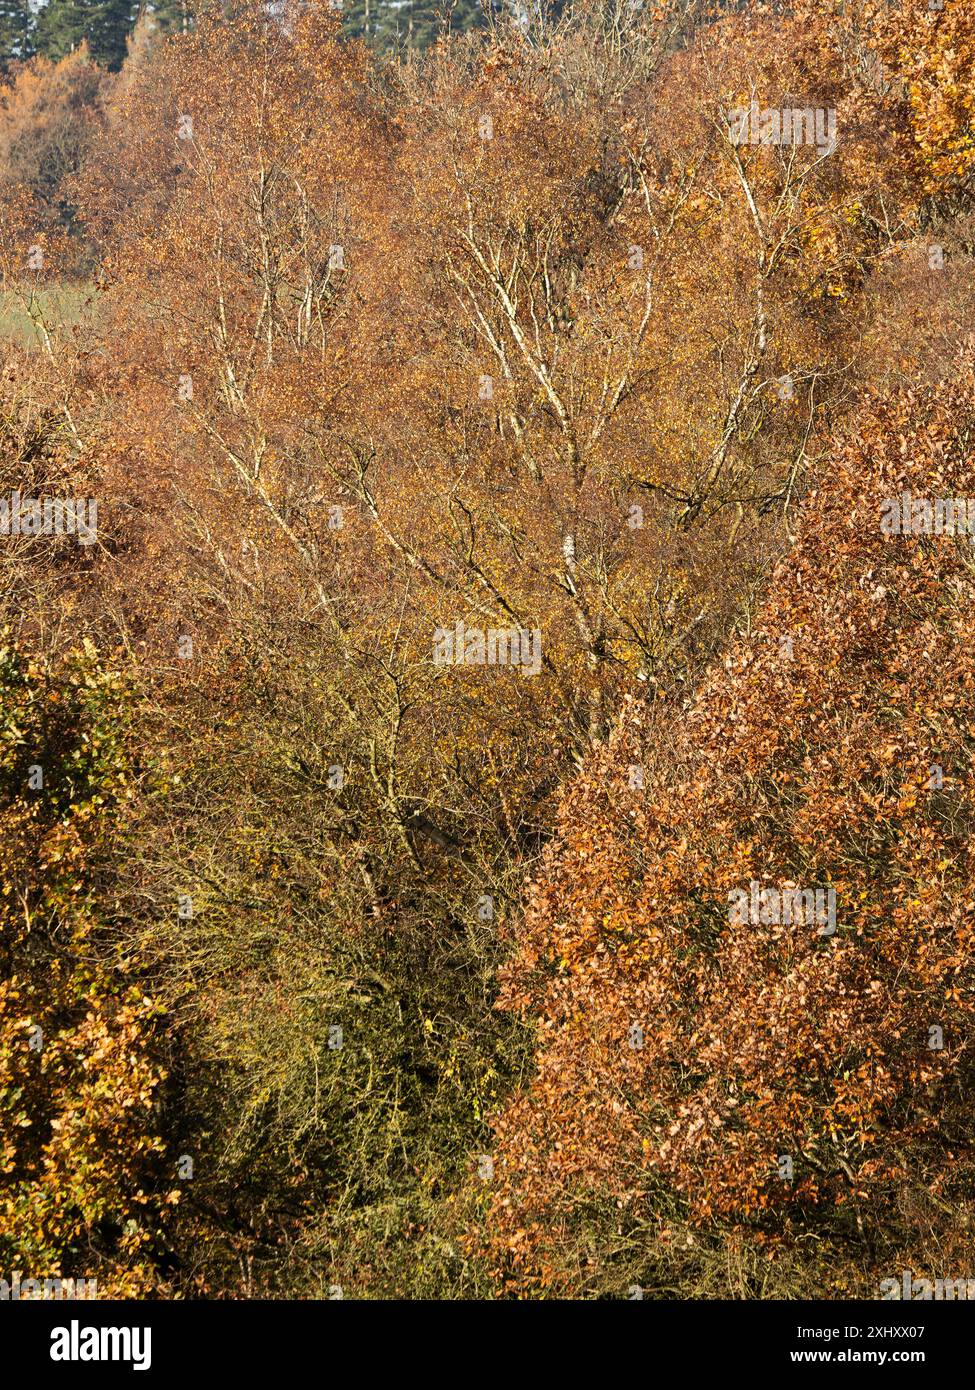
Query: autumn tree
point(83, 1188)
point(703, 1068)
point(48, 115)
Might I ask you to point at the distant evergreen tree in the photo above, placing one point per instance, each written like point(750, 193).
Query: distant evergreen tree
point(61, 26)
point(113, 26)
point(16, 31)
point(172, 16)
point(104, 24)
point(388, 24)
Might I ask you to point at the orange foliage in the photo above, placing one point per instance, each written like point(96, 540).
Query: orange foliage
point(811, 757)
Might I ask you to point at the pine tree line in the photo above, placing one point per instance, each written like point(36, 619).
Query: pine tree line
point(56, 28)
point(389, 24)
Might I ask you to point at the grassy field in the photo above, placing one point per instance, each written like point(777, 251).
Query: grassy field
point(56, 304)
